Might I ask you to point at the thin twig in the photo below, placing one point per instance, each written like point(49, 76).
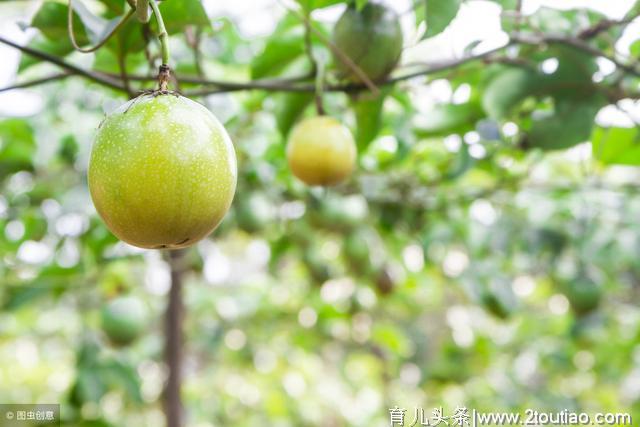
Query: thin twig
point(436, 67)
point(316, 68)
point(343, 57)
point(606, 24)
point(72, 35)
point(73, 69)
point(576, 44)
point(36, 82)
point(294, 85)
point(518, 16)
point(194, 38)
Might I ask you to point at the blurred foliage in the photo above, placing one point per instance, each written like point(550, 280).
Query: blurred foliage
point(483, 255)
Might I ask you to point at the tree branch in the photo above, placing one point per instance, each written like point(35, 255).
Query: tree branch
point(606, 24)
point(173, 345)
point(298, 84)
point(576, 44)
point(71, 68)
point(348, 87)
point(36, 82)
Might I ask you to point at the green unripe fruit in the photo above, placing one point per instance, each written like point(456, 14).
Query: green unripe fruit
point(495, 305)
point(124, 319)
point(583, 294)
point(316, 266)
point(371, 38)
point(356, 250)
point(162, 172)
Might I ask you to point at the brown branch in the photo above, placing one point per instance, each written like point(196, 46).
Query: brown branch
point(71, 68)
point(173, 345)
point(576, 44)
point(36, 82)
point(348, 87)
point(297, 84)
point(606, 24)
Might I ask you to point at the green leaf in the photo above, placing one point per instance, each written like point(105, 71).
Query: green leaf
point(439, 15)
point(574, 67)
point(106, 60)
point(17, 146)
point(68, 149)
point(178, 14)
point(89, 386)
point(361, 3)
point(634, 49)
point(569, 124)
point(420, 11)
point(575, 98)
point(52, 280)
point(96, 27)
point(507, 90)
point(51, 20)
point(114, 7)
point(309, 5)
point(445, 119)
point(616, 145)
point(507, 4)
point(18, 296)
point(463, 162)
point(228, 40)
point(61, 47)
point(128, 40)
point(289, 107)
point(117, 373)
point(280, 51)
point(368, 111)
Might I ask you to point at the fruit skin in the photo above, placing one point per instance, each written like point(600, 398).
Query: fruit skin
point(162, 172)
point(124, 319)
point(371, 37)
point(321, 151)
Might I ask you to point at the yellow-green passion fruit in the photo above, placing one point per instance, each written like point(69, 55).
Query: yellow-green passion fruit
point(162, 172)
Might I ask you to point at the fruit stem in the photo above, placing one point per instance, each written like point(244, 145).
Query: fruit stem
point(319, 88)
point(142, 11)
point(163, 36)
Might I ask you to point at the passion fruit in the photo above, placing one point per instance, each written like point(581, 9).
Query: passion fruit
point(124, 319)
point(371, 38)
point(162, 172)
point(321, 151)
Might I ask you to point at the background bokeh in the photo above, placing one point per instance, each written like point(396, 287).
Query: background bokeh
point(462, 265)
